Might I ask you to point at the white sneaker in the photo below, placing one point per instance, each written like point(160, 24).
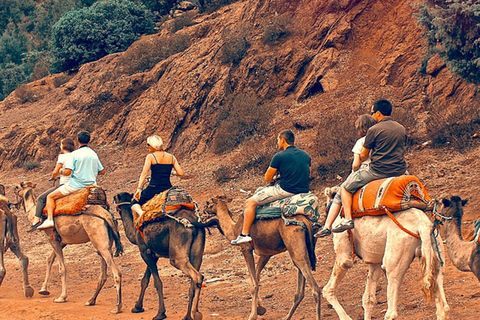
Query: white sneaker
point(241, 239)
point(46, 224)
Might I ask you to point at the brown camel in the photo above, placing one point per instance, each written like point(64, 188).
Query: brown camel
point(465, 255)
point(271, 237)
point(9, 239)
point(167, 238)
point(95, 225)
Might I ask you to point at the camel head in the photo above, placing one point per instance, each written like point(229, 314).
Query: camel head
point(453, 208)
point(23, 186)
point(123, 198)
point(210, 209)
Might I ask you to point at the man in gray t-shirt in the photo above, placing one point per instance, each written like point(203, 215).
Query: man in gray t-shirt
point(386, 142)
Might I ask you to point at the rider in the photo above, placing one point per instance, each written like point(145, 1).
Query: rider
point(160, 164)
point(385, 144)
point(67, 146)
point(83, 167)
point(293, 167)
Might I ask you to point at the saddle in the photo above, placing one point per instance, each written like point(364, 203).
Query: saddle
point(165, 203)
point(390, 194)
point(78, 201)
point(305, 204)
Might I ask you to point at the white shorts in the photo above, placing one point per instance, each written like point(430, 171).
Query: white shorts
point(65, 189)
point(268, 194)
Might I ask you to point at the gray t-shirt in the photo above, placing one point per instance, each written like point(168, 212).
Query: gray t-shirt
point(386, 140)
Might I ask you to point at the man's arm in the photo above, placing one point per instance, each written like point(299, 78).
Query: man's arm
point(364, 154)
point(270, 174)
point(66, 172)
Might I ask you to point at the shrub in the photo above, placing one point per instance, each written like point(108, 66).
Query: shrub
point(240, 117)
point(61, 79)
point(235, 47)
point(182, 21)
point(106, 27)
point(146, 53)
point(26, 94)
point(30, 165)
point(276, 30)
point(214, 5)
point(453, 30)
point(223, 174)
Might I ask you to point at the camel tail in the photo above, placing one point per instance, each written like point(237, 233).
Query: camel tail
point(113, 233)
point(430, 265)
point(311, 248)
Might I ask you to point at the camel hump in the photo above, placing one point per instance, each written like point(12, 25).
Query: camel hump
point(77, 201)
point(393, 193)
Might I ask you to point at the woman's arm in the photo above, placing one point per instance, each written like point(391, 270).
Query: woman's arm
point(143, 176)
point(356, 162)
point(177, 168)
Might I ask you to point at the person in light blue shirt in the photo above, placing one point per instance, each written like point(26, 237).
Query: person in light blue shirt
point(83, 166)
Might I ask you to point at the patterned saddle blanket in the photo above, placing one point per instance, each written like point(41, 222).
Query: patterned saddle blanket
point(76, 202)
point(305, 204)
point(393, 194)
point(166, 202)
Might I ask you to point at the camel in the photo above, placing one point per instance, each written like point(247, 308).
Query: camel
point(171, 239)
point(9, 239)
point(95, 225)
point(383, 246)
point(465, 255)
point(271, 237)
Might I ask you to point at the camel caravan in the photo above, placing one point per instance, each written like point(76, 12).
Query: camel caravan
point(379, 214)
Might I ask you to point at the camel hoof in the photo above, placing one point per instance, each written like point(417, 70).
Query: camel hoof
point(90, 303)
point(29, 292)
point(160, 317)
point(44, 292)
point(198, 316)
point(261, 310)
point(137, 310)
point(59, 300)
point(117, 310)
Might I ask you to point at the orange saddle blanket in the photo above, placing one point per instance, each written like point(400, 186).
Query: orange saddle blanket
point(393, 194)
point(76, 202)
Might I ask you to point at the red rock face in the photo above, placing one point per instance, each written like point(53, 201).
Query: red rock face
point(341, 54)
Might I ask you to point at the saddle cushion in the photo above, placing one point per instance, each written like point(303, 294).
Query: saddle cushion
point(76, 202)
point(166, 202)
point(393, 194)
point(305, 204)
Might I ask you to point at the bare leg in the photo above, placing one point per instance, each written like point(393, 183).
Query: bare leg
point(332, 214)
point(347, 199)
point(249, 215)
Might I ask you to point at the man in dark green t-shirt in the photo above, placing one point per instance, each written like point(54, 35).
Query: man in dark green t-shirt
point(292, 166)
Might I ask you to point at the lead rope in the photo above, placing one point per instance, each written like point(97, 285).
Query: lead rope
point(436, 230)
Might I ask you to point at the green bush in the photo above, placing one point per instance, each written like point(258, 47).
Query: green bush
point(106, 27)
point(30, 165)
point(276, 30)
point(240, 117)
point(453, 30)
point(182, 21)
point(11, 75)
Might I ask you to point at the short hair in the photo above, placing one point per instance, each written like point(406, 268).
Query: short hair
point(84, 137)
point(288, 136)
point(384, 106)
point(68, 144)
point(155, 142)
point(363, 123)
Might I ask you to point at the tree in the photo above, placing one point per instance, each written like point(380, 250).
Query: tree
point(90, 33)
point(453, 30)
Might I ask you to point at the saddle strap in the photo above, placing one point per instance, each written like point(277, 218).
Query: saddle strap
point(399, 224)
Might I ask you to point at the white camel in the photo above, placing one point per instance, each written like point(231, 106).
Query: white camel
point(381, 244)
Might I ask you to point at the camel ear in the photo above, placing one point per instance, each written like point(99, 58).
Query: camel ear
point(464, 202)
point(446, 203)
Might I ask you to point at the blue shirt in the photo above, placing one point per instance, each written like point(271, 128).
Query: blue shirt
point(85, 166)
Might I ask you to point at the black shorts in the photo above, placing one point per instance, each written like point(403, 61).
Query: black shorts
point(148, 193)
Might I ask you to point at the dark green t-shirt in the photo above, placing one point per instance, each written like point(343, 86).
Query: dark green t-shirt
point(386, 140)
point(293, 165)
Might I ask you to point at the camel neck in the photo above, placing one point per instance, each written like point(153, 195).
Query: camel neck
point(127, 219)
point(229, 227)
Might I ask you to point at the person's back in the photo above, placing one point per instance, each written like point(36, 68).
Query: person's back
point(386, 140)
point(293, 165)
point(85, 166)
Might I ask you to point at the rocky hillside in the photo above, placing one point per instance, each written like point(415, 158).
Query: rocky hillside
point(331, 60)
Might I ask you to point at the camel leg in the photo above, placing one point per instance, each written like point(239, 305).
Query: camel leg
point(298, 295)
point(249, 259)
point(3, 230)
point(27, 288)
point(396, 260)
point(104, 249)
point(369, 299)
point(196, 259)
point(151, 262)
point(262, 261)
point(50, 260)
point(101, 282)
point(440, 299)
point(57, 247)
point(180, 259)
point(143, 286)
